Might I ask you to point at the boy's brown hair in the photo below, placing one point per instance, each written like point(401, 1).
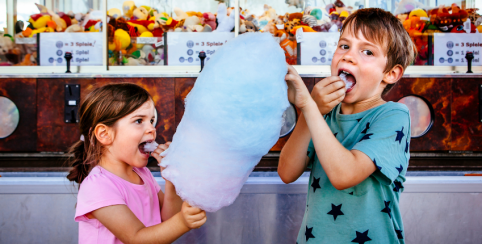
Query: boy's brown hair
point(380, 26)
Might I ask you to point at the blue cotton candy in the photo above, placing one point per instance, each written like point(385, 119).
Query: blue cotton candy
point(233, 117)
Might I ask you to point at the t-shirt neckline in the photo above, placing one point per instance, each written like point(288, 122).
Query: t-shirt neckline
point(357, 116)
point(102, 169)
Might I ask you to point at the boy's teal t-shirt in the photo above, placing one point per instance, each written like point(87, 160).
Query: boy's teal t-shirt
point(368, 212)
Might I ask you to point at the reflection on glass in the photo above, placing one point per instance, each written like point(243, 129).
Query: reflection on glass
point(40, 16)
point(289, 121)
point(9, 117)
point(423, 18)
point(3, 16)
point(137, 28)
point(420, 115)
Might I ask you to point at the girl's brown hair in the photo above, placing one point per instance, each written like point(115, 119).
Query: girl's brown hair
point(105, 105)
point(383, 28)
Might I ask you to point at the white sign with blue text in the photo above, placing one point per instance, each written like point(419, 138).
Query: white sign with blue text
point(450, 48)
point(86, 48)
point(183, 47)
point(318, 48)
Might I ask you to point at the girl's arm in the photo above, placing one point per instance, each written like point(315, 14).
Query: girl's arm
point(120, 220)
point(169, 202)
point(344, 168)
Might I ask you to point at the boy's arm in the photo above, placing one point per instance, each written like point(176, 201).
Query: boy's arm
point(344, 168)
point(293, 159)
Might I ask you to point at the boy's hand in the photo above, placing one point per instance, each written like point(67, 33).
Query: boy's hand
point(192, 217)
point(328, 93)
point(160, 149)
point(298, 94)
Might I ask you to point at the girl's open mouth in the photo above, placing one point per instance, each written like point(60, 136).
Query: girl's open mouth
point(142, 148)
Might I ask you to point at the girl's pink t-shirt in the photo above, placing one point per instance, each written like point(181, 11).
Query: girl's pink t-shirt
point(102, 188)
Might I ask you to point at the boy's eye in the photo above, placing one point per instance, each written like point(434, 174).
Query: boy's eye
point(152, 121)
point(368, 52)
point(344, 46)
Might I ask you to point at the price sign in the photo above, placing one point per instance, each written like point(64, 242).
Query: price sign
point(450, 49)
point(86, 48)
point(318, 48)
point(183, 47)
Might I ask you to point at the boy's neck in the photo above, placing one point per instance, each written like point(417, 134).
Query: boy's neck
point(358, 107)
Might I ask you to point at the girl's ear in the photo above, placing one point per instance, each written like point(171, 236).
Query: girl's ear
point(104, 134)
point(392, 76)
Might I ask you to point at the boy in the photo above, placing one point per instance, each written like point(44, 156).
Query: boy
point(359, 152)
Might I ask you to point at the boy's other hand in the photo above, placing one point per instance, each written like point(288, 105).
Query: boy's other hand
point(328, 93)
point(298, 94)
point(192, 217)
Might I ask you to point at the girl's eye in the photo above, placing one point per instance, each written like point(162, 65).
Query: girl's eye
point(152, 121)
point(368, 52)
point(344, 46)
point(139, 121)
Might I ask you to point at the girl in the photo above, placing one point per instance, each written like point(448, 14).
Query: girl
point(119, 200)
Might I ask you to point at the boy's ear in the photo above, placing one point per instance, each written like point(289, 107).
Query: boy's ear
point(104, 134)
point(392, 76)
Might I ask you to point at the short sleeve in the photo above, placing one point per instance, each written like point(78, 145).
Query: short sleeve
point(96, 191)
point(311, 154)
point(386, 141)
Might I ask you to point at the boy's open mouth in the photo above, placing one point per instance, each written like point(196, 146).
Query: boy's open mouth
point(348, 78)
point(142, 147)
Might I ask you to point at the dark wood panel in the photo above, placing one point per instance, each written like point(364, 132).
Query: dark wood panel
point(54, 135)
point(437, 91)
point(23, 92)
point(162, 92)
point(182, 87)
point(466, 125)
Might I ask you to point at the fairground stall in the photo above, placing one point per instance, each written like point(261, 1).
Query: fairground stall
point(54, 52)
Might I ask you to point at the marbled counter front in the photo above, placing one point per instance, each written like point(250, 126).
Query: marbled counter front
point(437, 207)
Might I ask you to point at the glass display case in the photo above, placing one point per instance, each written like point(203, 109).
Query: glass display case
point(174, 32)
point(145, 31)
point(56, 21)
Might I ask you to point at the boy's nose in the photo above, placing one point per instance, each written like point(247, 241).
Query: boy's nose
point(349, 56)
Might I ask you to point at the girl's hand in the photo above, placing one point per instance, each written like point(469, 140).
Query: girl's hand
point(328, 93)
point(193, 217)
point(298, 94)
point(161, 148)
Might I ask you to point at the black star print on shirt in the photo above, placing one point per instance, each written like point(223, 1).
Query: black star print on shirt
point(315, 184)
point(359, 119)
point(366, 128)
point(399, 234)
point(398, 186)
point(400, 169)
point(361, 238)
point(406, 147)
point(366, 137)
point(387, 209)
point(375, 162)
point(308, 233)
point(335, 211)
point(400, 136)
